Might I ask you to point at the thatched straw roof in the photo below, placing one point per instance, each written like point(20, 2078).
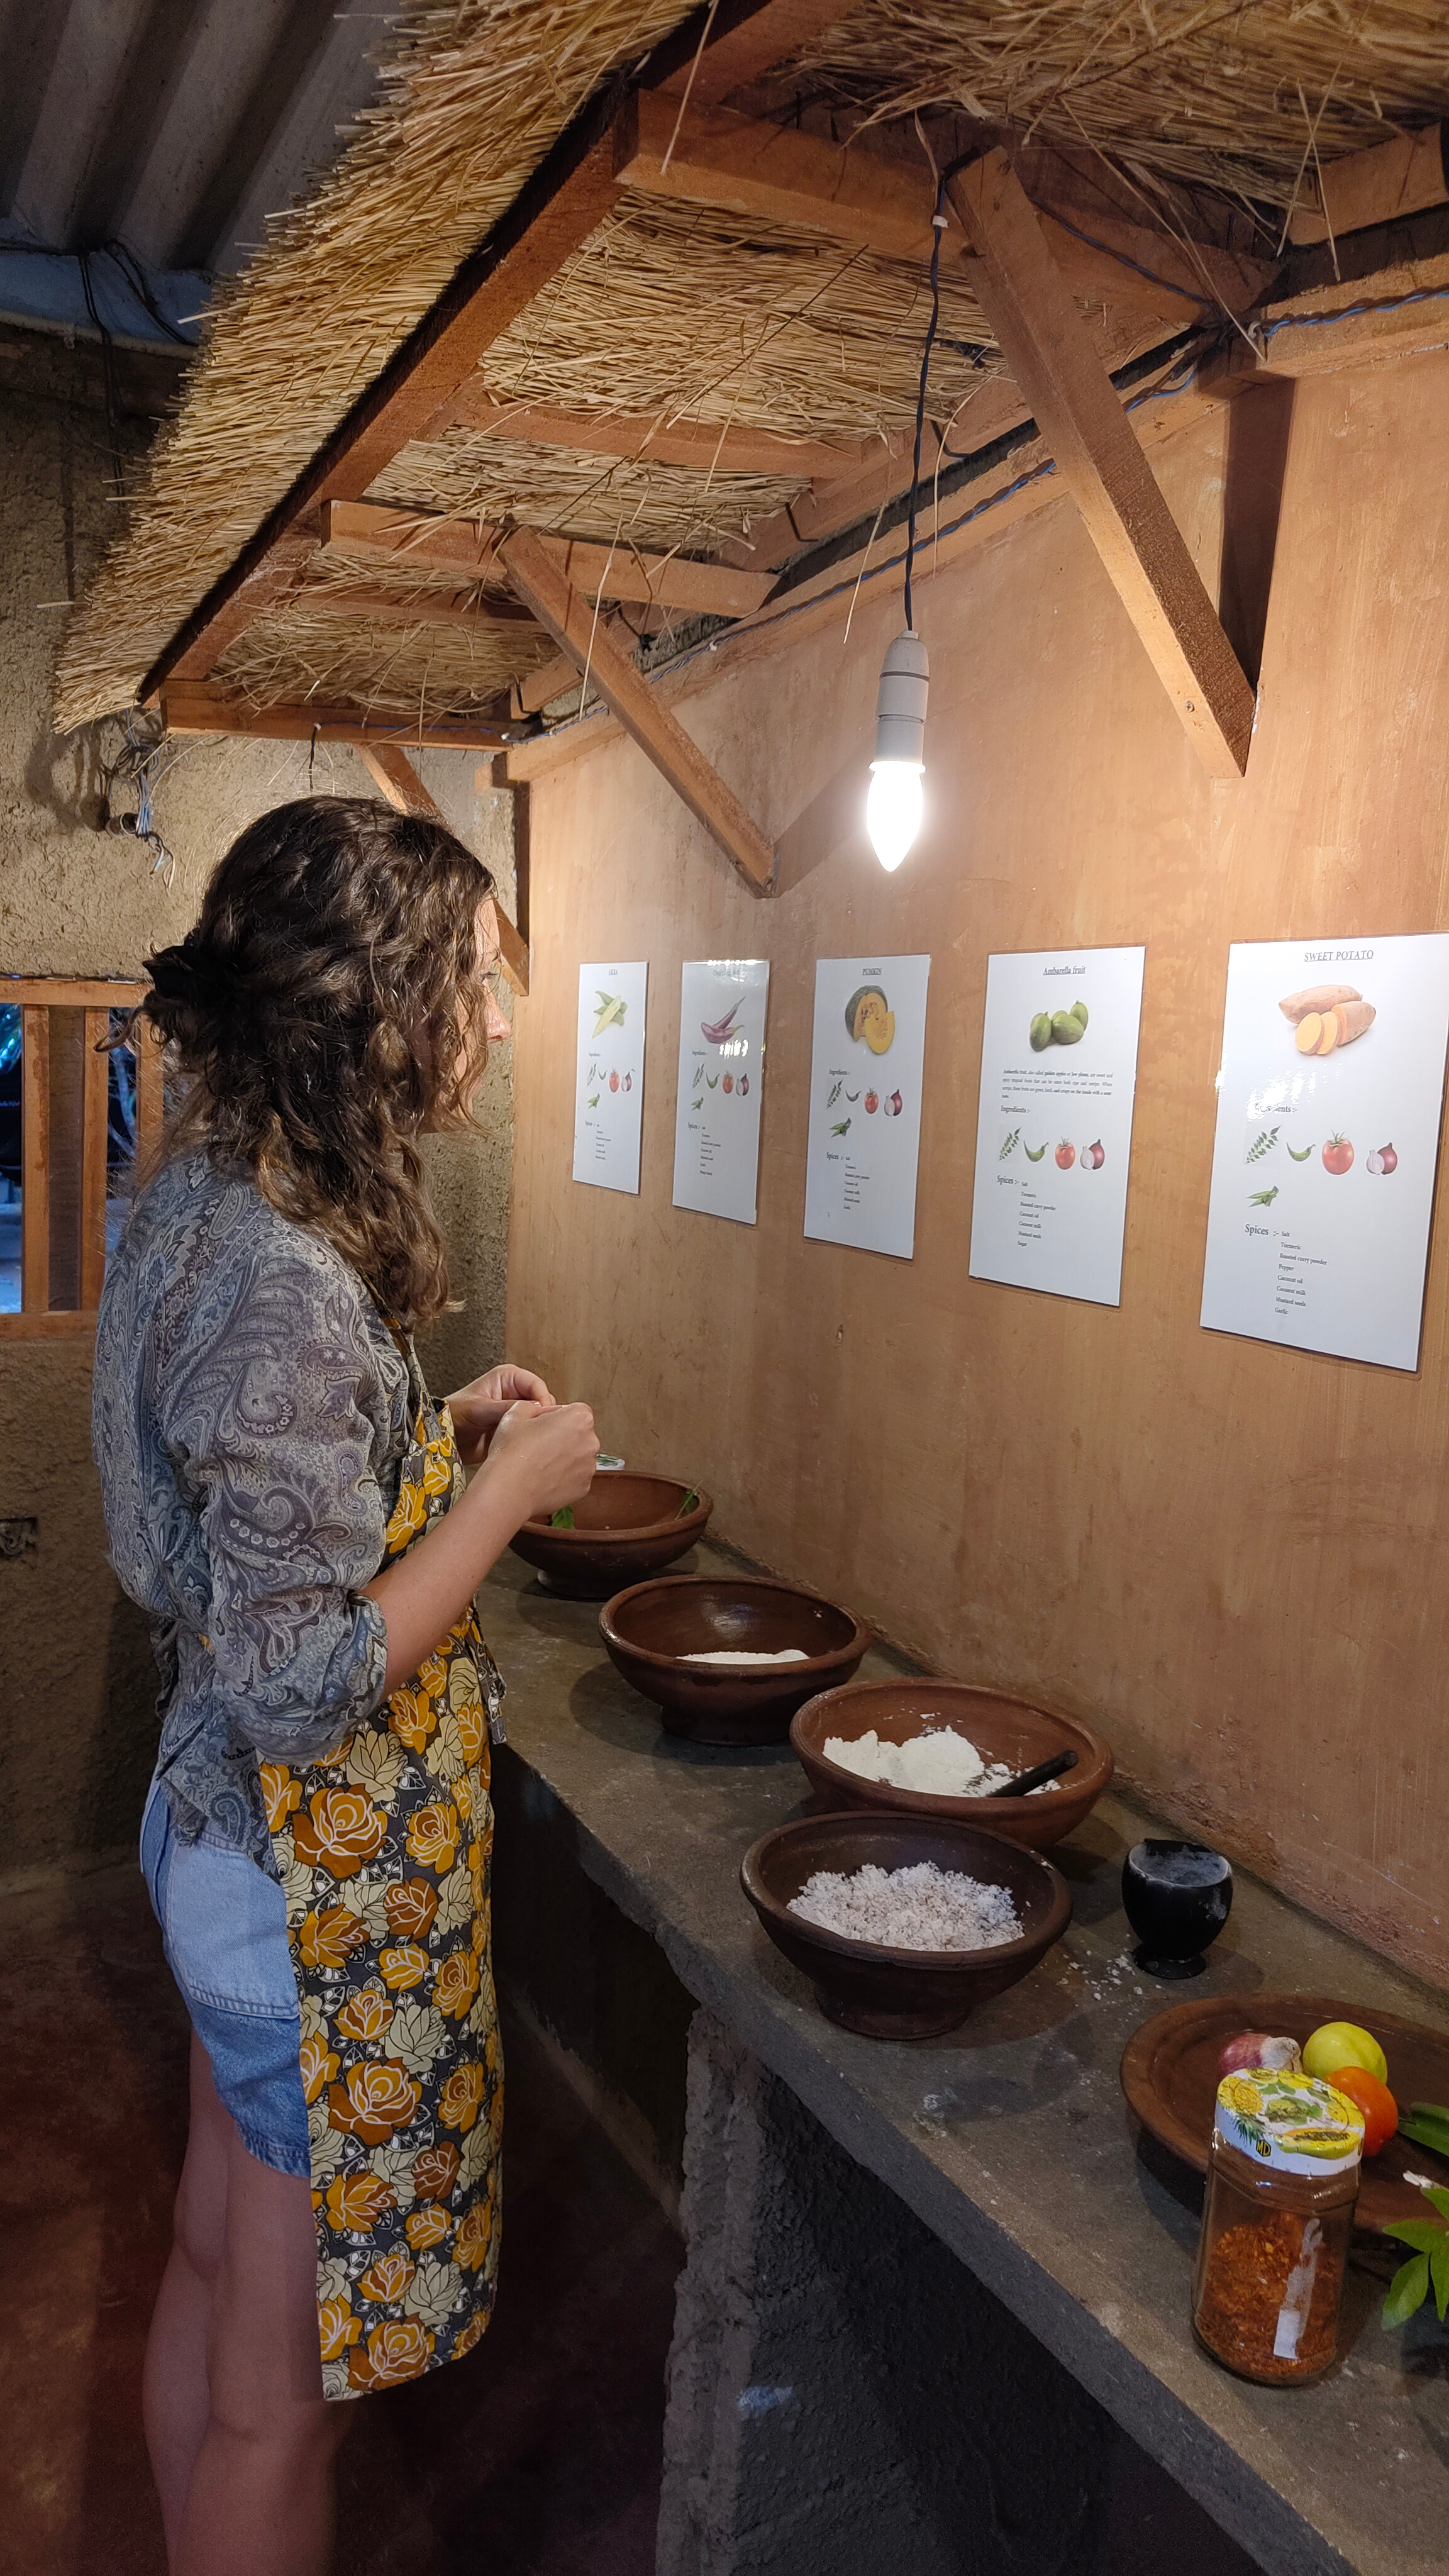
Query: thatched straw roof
point(671, 311)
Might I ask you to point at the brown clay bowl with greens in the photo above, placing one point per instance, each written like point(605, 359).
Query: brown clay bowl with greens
point(1002, 1730)
point(654, 1628)
point(901, 1994)
point(627, 1527)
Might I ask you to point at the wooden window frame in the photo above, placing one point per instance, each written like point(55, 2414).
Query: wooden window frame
point(37, 996)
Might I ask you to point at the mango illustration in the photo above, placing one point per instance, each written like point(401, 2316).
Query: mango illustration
point(1041, 1032)
point(1066, 1030)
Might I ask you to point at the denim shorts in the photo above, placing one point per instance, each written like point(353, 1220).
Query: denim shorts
point(224, 1927)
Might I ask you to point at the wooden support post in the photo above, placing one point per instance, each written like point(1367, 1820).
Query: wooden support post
point(1047, 347)
point(540, 581)
point(95, 1117)
point(400, 784)
point(34, 1159)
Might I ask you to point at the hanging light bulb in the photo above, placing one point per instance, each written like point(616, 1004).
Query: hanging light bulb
point(895, 803)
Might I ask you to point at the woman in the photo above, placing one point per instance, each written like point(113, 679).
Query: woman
point(289, 1507)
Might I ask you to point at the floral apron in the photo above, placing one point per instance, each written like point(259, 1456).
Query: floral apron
point(384, 1851)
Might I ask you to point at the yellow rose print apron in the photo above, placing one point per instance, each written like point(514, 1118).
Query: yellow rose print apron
point(384, 1851)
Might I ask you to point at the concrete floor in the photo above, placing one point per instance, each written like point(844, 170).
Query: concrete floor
point(537, 2456)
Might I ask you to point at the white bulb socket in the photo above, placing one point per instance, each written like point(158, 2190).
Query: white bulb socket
point(895, 803)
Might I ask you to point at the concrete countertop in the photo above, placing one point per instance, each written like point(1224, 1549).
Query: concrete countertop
point(1011, 2139)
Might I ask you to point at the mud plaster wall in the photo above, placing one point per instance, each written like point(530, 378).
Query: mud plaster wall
point(1229, 1556)
point(77, 1686)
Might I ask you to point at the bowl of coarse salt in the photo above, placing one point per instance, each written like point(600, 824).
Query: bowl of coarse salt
point(940, 1748)
point(728, 1658)
point(903, 1925)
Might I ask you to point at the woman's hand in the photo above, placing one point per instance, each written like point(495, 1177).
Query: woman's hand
point(540, 1456)
point(545, 1455)
point(478, 1408)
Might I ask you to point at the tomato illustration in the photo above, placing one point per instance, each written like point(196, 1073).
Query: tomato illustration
point(1337, 1154)
point(1066, 1156)
point(728, 1083)
point(872, 1103)
point(613, 1082)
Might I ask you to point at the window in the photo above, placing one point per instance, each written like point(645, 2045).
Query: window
point(76, 1107)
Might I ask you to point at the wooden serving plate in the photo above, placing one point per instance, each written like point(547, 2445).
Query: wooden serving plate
point(1170, 2078)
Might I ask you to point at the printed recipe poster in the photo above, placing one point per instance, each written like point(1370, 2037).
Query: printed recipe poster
point(609, 1099)
point(865, 1102)
point(1054, 1127)
point(1329, 1102)
point(721, 1076)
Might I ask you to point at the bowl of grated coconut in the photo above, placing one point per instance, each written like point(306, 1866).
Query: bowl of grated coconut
point(940, 1748)
point(728, 1658)
point(903, 1925)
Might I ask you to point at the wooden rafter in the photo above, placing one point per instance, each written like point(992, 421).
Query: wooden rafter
point(187, 706)
point(1377, 186)
point(742, 52)
point(543, 583)
point(774, 174)
point(424, 608)
point(704, 446)
point(473, 549)
point(393, 773)
point(1075, 405)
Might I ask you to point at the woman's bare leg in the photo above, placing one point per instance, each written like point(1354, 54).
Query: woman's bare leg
point(174, 2386)
point(261, 2499)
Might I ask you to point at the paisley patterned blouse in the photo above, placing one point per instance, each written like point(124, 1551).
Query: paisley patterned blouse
point(250, 1417)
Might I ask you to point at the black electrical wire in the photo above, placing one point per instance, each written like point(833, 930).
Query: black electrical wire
point(931, 329)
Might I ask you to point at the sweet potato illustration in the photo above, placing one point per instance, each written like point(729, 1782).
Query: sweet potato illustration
point(1337, 1025)
point(1317, 997)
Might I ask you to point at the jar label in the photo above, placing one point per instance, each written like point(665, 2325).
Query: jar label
point(1289, 2123)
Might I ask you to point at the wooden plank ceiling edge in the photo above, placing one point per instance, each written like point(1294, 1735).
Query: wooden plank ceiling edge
point(574, 625)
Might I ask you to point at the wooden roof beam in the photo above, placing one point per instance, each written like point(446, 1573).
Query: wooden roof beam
point(1376, 187)
point(1076, 407)
point(542, 582)
point(425, 608)
point(475, 549)
point(190, 706)
point(744, 45)
point(702, 446)
point(775, 174)
point(395, 777)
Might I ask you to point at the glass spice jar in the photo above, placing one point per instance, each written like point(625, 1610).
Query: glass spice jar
point(1283, 2174)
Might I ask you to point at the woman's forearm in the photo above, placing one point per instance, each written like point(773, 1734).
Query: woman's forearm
point(428, 1590)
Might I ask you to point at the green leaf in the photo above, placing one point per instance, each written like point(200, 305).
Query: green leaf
point(563, 1519)
point(1426, 2132)
point(1438, 2199)
point(1439, 2272)
point(1431, 2111)
point(689, 1504)
point(1421, 2233)
point(1408, 2290)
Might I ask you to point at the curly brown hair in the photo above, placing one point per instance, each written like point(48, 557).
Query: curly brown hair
point(326, 1009)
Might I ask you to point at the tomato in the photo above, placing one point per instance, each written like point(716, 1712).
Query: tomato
point(1066, 1156)
point(1337, 1155)
point(1380, 2110)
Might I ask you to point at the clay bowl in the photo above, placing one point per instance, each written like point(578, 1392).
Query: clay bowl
point(901, 1994)
point(651, 1628)
point(1002, 1729)
point(625, 1528)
